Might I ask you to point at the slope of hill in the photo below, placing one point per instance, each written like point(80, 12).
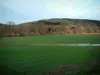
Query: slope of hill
point(54, 26)
point(66, 21)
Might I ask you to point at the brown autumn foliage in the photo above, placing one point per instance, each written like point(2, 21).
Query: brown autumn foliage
point(49, 27)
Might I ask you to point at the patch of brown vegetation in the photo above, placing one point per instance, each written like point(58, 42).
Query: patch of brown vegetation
point(65, 70)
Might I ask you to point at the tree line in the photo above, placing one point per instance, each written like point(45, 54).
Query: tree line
point(50, 27)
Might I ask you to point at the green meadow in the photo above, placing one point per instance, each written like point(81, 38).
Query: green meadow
point(19, 57)
point(67, 39)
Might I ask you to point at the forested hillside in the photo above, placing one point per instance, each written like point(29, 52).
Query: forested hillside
point(51, 26)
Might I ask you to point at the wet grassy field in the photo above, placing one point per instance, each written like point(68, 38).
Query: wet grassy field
point(19, 57)
point(26, 40)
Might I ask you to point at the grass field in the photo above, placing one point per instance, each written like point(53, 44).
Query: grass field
point(19, 57)
point(53, 39)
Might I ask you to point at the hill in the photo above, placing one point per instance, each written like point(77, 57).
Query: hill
point(66, 21)
point(53, 26)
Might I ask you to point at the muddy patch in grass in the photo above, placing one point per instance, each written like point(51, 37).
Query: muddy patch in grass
point(90, 68)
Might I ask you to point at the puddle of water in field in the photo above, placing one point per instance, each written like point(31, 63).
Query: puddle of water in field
point(67, 44)
point(82, 45)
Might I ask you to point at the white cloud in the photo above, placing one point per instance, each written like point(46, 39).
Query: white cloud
point(90, 0)
point(26, 7)
point(30, 6)
point(70, 10)
point(45, 8)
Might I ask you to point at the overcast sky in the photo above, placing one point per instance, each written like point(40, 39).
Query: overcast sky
point(21, 11)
